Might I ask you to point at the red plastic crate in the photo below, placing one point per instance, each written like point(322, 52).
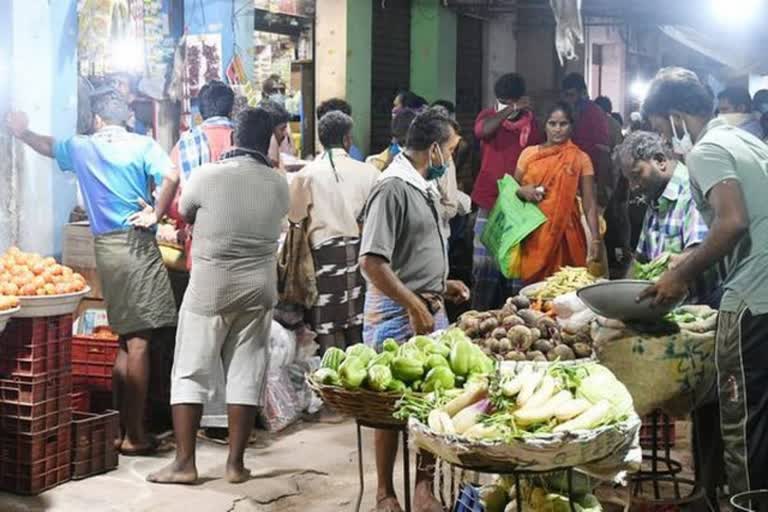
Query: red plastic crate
point(58, 358)
point(92, 360)
point(81, 400)
point(35, 424)
point(26, 448)
point(20, 479)
point(93, 443)
point(17, 409)
point(23, 333)
point(32, 390)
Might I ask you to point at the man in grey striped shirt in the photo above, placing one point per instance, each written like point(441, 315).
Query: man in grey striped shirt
point(237, 206)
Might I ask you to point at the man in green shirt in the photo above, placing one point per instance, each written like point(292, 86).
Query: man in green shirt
point(729, 182)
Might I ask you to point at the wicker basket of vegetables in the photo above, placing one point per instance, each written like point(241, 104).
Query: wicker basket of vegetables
point(532, 420)
point(364, 385)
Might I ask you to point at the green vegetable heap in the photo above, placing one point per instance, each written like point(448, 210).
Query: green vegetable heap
point(423, 364)
point(653, 270)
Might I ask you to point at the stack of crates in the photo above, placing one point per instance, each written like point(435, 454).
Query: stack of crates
point(35, 404)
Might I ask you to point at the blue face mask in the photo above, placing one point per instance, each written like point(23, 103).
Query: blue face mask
point(395, 149)
point(278, 98)
point(435, 172)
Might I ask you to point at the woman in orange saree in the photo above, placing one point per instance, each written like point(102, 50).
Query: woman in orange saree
point(553, 175)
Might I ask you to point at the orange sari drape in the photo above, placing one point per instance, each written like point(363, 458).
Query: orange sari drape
point(561, 240)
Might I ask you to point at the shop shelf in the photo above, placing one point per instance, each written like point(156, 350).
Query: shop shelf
point(27, 448)
point(93, 443)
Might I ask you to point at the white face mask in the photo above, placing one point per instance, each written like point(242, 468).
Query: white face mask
point(681, 146)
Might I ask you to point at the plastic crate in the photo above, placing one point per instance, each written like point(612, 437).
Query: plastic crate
point(468, 500)
point(34, 479)
point(93, 443)
point(58, 357)
point(32, 390)
point(26, 448)
point(36, 410)
point(81, 400)
point(92, 360)
point(35, 424)
point(28, 336)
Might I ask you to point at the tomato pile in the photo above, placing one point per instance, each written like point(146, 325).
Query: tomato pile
point(29, 274)
point(7, 303)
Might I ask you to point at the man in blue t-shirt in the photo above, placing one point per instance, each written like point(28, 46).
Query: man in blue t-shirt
point(120, 174)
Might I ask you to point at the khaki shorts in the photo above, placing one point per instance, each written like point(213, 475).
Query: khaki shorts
point(238, 342)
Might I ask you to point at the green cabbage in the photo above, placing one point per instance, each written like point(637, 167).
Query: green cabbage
point(361, 351)
point(327, 376)
point(382, 359)
point(436, 360)
point(601, 384)
point(407, 369)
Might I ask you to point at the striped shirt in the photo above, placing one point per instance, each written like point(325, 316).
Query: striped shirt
point(237, 206)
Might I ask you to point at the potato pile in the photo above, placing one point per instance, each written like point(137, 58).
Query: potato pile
point(29, 274)
point(8, 303)
point(518, 333)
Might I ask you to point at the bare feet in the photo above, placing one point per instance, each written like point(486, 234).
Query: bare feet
point(424, 500)
point(388, 504)
point(175, 473)
point(237, 473)
point(136, 449)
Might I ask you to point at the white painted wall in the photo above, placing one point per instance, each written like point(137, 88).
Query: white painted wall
point(614, 79)
point(331, 49)
point(500, 53)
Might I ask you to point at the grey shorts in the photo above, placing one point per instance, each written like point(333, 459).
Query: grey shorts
point(237, 341)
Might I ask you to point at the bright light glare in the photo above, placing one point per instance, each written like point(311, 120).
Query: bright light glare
point(638, 89)
point(127, 55)
point(735, 11)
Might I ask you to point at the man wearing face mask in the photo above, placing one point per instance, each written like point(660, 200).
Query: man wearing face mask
point(404, 258)
point(735, 106)
point(273, 100)
point(504, 131)
point(729, 179)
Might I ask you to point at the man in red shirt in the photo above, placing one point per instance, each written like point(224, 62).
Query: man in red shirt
point(503, 130)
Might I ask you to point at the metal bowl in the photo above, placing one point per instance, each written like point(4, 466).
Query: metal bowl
point(618, 300)
point(6, 315)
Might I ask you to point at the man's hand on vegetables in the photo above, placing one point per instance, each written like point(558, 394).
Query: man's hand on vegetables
point(421, 319)
point(670, 288)
point(456, 292)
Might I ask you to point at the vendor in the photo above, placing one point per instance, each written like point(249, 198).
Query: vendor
point(672, 223)
point(117, 171)
point(404, 258)
point(729, 183)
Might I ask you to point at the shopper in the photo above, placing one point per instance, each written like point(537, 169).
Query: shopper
point(672, 223)
point(404, 259)
point(729, 182)
point(503, 130)
point(331, 192)
point(281, 144)
point(338, 104)
point(554, 175)
point(734, 105)
point(237, 206)
point(400, 124)
point(117, 172)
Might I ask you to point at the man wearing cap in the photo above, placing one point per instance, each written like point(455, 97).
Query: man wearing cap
point(118, 172)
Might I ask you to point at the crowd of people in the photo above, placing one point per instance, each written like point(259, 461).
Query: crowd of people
point(380, 231)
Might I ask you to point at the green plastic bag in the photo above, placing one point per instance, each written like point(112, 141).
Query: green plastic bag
point(510, 221)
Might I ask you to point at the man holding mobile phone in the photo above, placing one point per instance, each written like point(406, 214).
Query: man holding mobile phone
point(504, 130)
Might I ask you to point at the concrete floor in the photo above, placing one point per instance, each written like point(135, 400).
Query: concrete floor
point(312, 467)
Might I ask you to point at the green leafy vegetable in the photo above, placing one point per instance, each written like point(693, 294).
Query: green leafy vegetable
point(361, 351)
point(440, 377)
point(654, 269)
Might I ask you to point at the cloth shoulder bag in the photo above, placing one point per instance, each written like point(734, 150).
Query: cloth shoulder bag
point(296, 282)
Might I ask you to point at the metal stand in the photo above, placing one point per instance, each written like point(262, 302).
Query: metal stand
point(406, 460)
point(664, 473)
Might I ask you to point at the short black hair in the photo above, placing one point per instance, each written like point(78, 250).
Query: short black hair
point(411, 100)
point(447, 105)
point(279, 114)
point(560, 106)
point(574, 81)
point(216, 99)
point(110, 106)
point(273, 82)
point(333, 127)
point(605, 103)
point(253, 129)
point(641, 146)
point(737, 96)
point(400, 124)
point(333, 104)
point(429, 127)
point(678, 89)
point(510, 87)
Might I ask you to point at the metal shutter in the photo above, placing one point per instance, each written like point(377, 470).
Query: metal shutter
point(390, 64)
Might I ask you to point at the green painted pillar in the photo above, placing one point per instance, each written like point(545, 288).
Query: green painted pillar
point(358, 79)
point(433, 50)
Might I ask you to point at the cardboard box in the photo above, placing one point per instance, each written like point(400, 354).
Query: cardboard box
point(77, 250)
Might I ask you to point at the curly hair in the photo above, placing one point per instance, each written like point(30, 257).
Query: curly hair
point(429, 127)
point(333, 127)
point(641, 146)
point(678, 89)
